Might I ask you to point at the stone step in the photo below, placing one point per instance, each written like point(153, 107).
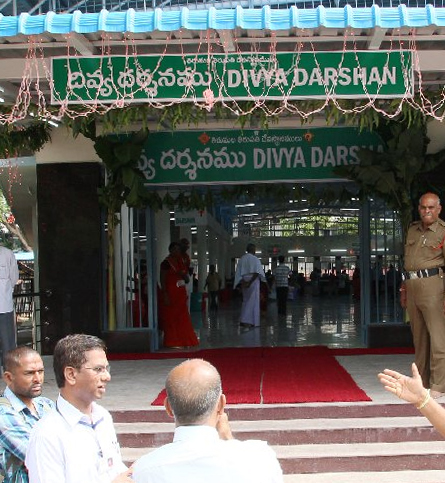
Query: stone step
point(329, 443)
point(427, 476)
point(296, 431)
point(282, 412)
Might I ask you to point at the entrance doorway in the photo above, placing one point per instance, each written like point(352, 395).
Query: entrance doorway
point(359, 239)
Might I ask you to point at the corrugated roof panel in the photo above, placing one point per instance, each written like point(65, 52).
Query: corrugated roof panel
point(223, 19)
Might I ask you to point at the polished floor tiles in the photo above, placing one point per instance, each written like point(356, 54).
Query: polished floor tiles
point(333, 321)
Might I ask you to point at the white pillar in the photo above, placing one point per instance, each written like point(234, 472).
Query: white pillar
point(186, 232)
point(123, 265)
point(202, 256)
point(162, 237)
point(222, 260)
point(213, 246)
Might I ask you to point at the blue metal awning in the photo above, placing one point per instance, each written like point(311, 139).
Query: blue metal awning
point(264, 18)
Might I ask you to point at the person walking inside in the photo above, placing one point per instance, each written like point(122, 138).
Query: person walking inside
point(213, 282)
point(422, 292)
point(249, 272)
point(77, 442)
point(9, 276)
point(282, 284)
point(21, 406)
point(203, 448)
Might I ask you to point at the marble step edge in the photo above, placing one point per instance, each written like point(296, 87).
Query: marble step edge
point(423, 476)
point(414, 448)
point(287, 425)
point(283, 411)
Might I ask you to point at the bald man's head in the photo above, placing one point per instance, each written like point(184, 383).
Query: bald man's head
point(193, 391)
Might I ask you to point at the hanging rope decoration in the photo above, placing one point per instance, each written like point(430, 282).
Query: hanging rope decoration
point(205, 90)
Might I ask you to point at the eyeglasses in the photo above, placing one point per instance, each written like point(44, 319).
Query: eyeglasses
point(99, 369)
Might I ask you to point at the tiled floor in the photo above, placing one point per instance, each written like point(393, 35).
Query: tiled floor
point(333, 321)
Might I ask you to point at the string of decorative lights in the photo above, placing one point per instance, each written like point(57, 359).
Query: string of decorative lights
point(137, 83)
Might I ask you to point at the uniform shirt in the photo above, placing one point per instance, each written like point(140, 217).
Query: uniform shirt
point(16, 423)
point(282, 275)
point(198, 455)
point(425, 248)
point(65, 447)
point(247, 265)
point(9, 276)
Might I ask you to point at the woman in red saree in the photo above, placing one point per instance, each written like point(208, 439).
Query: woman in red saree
point(174, 315)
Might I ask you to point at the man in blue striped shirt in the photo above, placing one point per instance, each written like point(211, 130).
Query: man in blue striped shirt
point(21, 406)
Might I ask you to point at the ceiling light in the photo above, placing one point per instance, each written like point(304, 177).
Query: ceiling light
point(295, 251)
point(245, 206)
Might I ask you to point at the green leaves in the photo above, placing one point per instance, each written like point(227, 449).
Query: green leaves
point(396, 175)
point(18, 140)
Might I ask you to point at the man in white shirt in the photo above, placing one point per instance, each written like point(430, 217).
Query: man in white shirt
point(9, 276)
point(76, 442)
point(282, 284)
point(203, 448)
point(249, 272)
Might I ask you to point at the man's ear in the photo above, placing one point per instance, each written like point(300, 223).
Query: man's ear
point(168, 408)
point(7, 377)
point(221, 404)
point(70, 375)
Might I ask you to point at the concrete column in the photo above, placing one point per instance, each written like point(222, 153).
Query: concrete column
point(162, 237)
point(212, 246)
point(123, 265)
point(202, 256)
point(222, 261)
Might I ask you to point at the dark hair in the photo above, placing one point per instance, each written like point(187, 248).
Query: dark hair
point(250, 248)
point(281, 258)
point(71, 352)
point(13, 357)
point(193, 401)
point(172, 245)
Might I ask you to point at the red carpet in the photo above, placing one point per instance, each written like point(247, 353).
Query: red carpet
point(280, 375)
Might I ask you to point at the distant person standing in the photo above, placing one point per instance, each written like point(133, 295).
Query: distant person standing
point(248, 274)
point(9, 276)
point(282, 284)
point(213, 282)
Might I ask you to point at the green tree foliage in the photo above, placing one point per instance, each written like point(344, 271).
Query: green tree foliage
point(398, 174)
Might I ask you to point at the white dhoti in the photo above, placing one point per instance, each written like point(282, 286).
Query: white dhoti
point(250, 310)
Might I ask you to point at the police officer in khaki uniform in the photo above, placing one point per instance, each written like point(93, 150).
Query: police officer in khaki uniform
point(422, 292)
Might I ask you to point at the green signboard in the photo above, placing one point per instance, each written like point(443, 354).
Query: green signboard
point(215, 77)
point(191, 157)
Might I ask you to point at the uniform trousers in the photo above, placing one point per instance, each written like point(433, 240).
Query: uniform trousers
point(8, 333)
point(425, 297)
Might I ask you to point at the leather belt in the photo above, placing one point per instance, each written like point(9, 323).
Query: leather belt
point(424, 273)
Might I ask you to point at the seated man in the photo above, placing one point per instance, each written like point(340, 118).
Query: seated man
point(203, 448)
point(20, 408)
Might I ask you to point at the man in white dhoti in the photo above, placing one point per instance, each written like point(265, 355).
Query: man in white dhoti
point(249, 272)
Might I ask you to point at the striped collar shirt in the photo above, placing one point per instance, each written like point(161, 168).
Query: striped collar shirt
point(282, 275)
